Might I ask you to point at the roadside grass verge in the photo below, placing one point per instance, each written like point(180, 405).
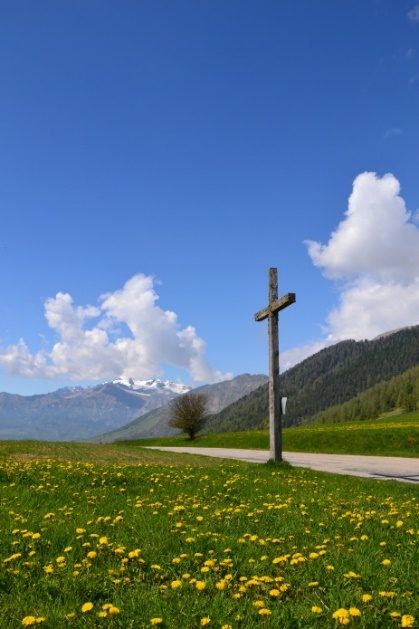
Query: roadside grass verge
point(389, 436)
point(92, 453)
point(240, 546)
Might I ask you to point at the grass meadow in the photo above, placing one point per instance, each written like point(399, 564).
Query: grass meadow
point(116, 536)
point(389, 436)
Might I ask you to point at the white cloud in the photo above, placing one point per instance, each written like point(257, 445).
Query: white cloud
point(413, 14)
point(376, 238)
point(87, 349)
point(374, 253)
point(392, 132)
point(293, 356)
point(369, 308)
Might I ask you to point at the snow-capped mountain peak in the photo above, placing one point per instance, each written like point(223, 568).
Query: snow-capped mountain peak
point(153, 385)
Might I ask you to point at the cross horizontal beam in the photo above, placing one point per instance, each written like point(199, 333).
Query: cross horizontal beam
point(275, 306)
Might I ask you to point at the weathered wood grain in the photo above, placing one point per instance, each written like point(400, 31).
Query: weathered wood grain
point(271, 313)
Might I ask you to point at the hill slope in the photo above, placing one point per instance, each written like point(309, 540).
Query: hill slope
point(155, 422)
point(330, 377)
point(400, 392)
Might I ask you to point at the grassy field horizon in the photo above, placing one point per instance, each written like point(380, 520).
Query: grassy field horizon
point(387, 436)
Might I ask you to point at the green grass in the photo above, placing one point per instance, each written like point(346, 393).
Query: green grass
point(389, 436)
point(191, 542)
point(24, 451)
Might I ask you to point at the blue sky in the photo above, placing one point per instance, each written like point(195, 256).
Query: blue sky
point(176, 150)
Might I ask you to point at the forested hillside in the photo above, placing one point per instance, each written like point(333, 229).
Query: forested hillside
point(399, 392)
point(329, 378)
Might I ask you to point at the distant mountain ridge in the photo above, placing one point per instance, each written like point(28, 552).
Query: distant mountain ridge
point(155, 423)
point(73, 413)
point(332, 376)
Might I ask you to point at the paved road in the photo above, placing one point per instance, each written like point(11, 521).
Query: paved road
point(379, 467)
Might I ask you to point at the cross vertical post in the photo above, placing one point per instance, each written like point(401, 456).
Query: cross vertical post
point(275, 423)
point(271, 313)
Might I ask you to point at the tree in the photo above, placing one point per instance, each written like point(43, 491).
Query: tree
point(188, 413)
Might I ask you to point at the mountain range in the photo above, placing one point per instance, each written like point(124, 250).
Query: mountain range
point(129, 409)
point(77, 413)
point(74, 413)
point(155, 423)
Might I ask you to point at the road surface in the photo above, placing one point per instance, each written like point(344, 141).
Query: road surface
point(378, 467)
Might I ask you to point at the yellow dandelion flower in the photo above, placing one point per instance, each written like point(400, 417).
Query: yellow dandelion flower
point(205, 621)
point(119, 550)
point(354, 611)
point(28, 620)
point(176, 584)
point(264, 611)
point(113, 610)
point(407, 621)
point(386, 562)
point(274, 592)
point(156, 621)
point(342, 616)
point(352, 575)
point(13, 557)
point(258, 604)
point(316, 609)
point(200, 585)
point(86, 607)
point(366, 598)
point(395, 614)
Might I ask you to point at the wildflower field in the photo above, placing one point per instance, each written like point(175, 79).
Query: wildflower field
point(176, 543)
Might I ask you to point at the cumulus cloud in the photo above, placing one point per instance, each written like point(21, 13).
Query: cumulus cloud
point(376, 238)
point(91, 346)
point(373, 255)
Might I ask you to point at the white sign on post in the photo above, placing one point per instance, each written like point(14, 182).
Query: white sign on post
point(283, 404)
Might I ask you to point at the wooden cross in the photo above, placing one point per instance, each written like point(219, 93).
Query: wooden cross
point(271, 313)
